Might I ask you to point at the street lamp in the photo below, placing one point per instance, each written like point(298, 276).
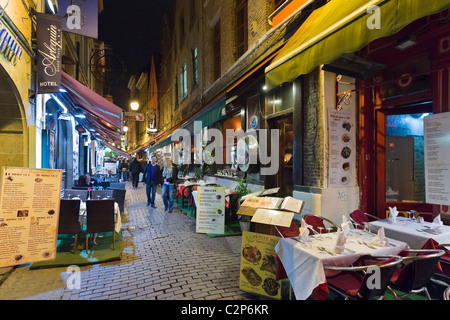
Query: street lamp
point(134, 105)
point(125, 128)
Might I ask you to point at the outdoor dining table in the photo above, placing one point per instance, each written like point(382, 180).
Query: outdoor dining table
point(305, 262)
point(118, 223)
point(410, 231)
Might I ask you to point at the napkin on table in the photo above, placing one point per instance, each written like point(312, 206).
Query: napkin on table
point(437, 224)
point(304, 231)
point(345, 225)
point(340, 242)
point(393, 213)
point(380, 239)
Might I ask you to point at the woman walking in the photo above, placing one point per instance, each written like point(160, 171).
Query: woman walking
point(169, 176)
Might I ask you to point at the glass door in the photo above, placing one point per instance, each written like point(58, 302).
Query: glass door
point(400, 159)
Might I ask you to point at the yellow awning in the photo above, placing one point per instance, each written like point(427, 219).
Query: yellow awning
point(344, 26)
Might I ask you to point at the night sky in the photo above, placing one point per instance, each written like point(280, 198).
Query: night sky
point(133, 30)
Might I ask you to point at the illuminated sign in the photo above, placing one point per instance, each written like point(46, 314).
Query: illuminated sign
point(9, 46)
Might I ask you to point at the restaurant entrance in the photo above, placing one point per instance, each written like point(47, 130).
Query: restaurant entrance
point(400, 158)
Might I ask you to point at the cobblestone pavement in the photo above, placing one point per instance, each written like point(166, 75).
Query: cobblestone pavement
point(163, 259)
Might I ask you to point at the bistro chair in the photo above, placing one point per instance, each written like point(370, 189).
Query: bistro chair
point(117, 185)
point(317, 223)
point(359, 218)
point(69, 214)
point(447, 293)
point(119, 197)
point(101, 194)
point(75, 193)
point(414, 275)
point(100, 218)
point(355, 282)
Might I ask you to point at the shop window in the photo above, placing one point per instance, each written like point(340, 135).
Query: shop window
point(241, 27)
point(280, 99)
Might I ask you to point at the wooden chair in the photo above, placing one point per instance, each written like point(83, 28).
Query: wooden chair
point(119, 197)
point(100, 218)
point(69, 214)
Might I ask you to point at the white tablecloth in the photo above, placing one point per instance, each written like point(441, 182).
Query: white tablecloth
point(413, 233)
point(304, 262)
point(118, 225)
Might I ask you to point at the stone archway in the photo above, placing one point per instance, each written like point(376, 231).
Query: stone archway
point(13, 129)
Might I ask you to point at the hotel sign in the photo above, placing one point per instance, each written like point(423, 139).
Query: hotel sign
point(49, 51)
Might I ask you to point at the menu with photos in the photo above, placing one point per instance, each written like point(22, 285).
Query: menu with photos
point(342, 146)
point(29, 213)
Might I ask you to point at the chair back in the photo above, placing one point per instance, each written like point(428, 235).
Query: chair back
point(101, 194)
point(69, 214)
point(418, 269)
point(316, 222)
point(72, 193)
point(105, 184)
point(359, 217)
point(119, 196)
point(99, 216)
point(386, 266)
point(117, 185)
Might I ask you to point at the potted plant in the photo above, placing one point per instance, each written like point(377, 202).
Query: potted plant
point(242, 189)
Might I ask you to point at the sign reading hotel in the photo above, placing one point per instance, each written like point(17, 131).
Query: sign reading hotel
point(29, 212)
point(342, 149)
point(259, 265)
point(210, 210)
point(437, 158)
point(49, 53)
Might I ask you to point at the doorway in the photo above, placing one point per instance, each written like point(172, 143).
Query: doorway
point(400, 158)
point(284, 178)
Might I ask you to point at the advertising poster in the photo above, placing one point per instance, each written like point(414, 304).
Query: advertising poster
point(210, 210)
point(29, 212)
point(437, 158)
point(342, 146)
point(259, 265)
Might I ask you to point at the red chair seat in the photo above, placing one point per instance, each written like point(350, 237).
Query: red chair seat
point(348, 282)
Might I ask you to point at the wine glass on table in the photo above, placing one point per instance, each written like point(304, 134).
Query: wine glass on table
point(320, 232)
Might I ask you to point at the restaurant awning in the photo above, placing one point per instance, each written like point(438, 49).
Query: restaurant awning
point(107, 112)
point(343, 26)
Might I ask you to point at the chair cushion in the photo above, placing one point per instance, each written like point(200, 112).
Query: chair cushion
point(346, 282)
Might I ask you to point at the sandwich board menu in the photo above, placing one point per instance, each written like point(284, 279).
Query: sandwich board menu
point(210, 210)
point(29, 213)
point(259, 265)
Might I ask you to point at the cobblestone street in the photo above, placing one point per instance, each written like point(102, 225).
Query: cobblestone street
point(163, 258)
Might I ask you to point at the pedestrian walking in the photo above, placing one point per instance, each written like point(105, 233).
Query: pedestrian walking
point(151, 178)
point(135, 169)
point(169, 176)
point(124, 167)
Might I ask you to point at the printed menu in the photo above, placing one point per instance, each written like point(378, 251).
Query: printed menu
point(341, 130)
point(210, 210)
point(437, 158)
point(259, 265)
point(29, 212)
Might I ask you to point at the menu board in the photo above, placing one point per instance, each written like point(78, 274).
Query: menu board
point(342, 138)
point(210, 210)
point(273, 217)
point(259, 265)
point(437, 158)
point(29, 212)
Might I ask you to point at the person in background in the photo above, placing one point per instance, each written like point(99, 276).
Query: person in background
point(135, 169)
point(169, 176)
point(84, 181)
point(151, 178)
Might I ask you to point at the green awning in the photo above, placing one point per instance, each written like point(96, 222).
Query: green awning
point(344, 26)
point(207, 116)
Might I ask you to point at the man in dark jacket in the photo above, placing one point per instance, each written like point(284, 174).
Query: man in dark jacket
point(135, 169)
point(152, 178)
